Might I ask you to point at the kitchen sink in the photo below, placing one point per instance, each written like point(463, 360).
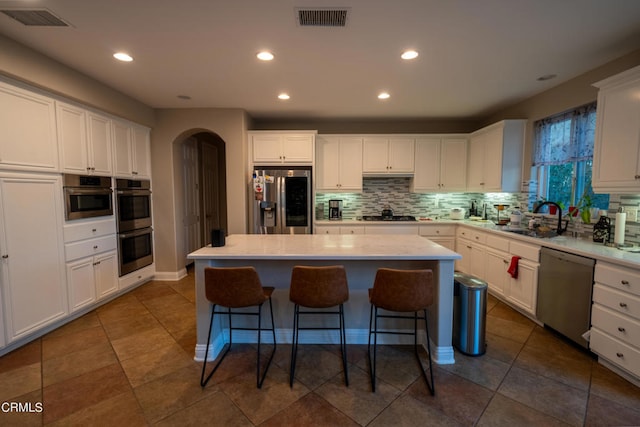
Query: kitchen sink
point(532, 233)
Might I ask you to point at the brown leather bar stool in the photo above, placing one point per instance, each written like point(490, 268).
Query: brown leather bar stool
point(401, 291)
point(237, 287)
point(318, 288)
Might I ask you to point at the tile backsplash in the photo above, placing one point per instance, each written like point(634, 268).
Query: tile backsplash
point(395, 192)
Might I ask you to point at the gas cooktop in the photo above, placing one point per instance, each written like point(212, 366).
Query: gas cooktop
point(388, 218)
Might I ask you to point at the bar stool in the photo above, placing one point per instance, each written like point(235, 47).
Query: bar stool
point(318, 288)
point(401, 291)
point(237, 287)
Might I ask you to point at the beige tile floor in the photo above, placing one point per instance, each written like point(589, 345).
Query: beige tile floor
point(130, 363)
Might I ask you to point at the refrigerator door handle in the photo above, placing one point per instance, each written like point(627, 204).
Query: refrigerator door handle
point(282, 191)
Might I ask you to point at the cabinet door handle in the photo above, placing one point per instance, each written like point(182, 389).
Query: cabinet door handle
point(468, 247)
point(621, 329)
point(93, 230)
point(623, 304)
point(637, 177)
point(95, 246)
point(505, 261)
point(5, 256)
point(625, 282)
point(620, 355)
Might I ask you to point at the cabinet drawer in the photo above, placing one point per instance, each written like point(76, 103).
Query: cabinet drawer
point(89, 230)
point(615, 351)
point(622, 278)
point(352, 230)
point(617, 325)
point(497, 242)
point(390, 229)
point(620, 302)
point(90, 247)
point(437, 230)
point(530, 252)
point(471, 234)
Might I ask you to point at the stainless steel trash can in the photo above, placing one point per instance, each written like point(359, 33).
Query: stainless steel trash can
point(469, 314)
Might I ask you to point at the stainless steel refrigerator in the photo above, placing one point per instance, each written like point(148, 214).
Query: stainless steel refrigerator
point(282, 200)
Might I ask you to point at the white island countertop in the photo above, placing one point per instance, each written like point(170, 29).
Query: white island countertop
point(326, 247)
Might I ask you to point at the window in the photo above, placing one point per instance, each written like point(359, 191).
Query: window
point(563, 158)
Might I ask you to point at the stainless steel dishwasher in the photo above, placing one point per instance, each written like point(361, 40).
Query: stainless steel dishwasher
point(565, 284)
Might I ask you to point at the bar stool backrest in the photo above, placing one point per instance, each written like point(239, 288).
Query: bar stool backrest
point(233, 287)
point(319, 287)
point(402, 290)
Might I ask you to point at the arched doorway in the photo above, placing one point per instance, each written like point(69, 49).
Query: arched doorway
point(204, 189)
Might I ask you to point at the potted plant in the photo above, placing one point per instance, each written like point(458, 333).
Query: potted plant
point(584, 207)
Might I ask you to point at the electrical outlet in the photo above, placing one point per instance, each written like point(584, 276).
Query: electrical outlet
point(632, 214)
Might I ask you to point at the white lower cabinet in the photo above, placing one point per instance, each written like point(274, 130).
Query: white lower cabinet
point(91, 279)
point(488, 257)
point(523, 291)
point(444, 235)
point(615, 316)
point(92, 261)
point(496, 277)
point(32, 279)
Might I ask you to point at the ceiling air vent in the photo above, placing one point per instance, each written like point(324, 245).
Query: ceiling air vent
point(35, 17)
point(322, 17)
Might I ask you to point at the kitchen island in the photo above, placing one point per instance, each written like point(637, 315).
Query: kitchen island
point(274, 256)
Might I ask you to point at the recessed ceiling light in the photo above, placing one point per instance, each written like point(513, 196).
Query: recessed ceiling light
point(409, 54)
point(284, 96)
point(265, 55)
point(547, 77)
point(383, 95)
point(121, 56)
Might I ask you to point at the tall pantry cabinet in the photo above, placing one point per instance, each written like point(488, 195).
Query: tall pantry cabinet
point(34, 290)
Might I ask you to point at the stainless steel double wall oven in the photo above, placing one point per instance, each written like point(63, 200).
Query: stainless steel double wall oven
point(133, 219)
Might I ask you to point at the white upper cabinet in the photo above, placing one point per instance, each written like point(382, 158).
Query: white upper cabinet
point(616, 155)
point(84, 140)
point(99, 144)
point(384, 156)
point(282, 147)
point(440, 164)
point(27, 130)
point(132, 150)
point(495, 157)
point(338, 163)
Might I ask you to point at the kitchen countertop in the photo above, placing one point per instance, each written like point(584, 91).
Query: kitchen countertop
point(322, 246)
point(583, 247)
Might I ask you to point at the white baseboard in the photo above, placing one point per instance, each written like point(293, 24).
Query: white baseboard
point(440, 355)
point(170, 275)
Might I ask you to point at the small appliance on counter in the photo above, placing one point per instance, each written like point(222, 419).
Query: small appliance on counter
point(516, 217)
point(335, 210)
point(457, 213)
point(387, 213)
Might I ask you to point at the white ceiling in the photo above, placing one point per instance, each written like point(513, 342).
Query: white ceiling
point(476, 56)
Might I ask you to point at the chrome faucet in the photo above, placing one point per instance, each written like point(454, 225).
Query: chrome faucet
point(560, 230)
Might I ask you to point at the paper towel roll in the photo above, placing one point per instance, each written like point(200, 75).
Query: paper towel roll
point(621, 222)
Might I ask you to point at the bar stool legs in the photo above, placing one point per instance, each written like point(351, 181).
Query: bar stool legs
point(229, 313)
point(296, 327)
point(373, 329)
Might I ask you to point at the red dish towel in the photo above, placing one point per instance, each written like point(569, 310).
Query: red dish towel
point(513, 267)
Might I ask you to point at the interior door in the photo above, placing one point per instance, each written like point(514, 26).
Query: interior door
point(210, 191)
point(191, 218)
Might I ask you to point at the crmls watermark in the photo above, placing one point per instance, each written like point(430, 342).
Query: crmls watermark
point(21, 407)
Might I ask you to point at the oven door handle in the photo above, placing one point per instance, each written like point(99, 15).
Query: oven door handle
point(134, 192)
point(136, 233)
point(88, 190)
